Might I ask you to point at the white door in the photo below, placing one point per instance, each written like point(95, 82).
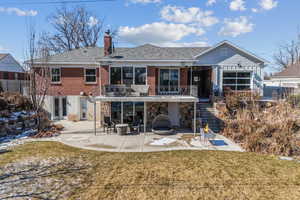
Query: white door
point(83, 109)
point(60, 108)
point(173, 111)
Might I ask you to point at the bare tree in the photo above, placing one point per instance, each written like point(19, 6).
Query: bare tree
point(38, 76)
point(288, 53)
point(74, 28)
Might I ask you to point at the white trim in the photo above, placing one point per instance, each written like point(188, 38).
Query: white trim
point(63, 63)
point(178, 69)
point(84, 75)
point(234, 46)
point(133, 68)
point(56, 82)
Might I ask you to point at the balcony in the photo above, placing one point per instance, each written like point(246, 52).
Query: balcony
point(145, 90)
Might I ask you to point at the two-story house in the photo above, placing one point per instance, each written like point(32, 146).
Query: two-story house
point(145, 81)
point(12, 74)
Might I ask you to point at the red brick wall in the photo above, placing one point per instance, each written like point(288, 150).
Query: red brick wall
point(152, 80)
point(104, 73)
point(72, 83)
point(183, 77)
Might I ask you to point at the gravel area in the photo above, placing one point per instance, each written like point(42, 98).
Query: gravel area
point(36, 178)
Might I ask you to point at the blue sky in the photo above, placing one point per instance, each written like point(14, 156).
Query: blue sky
point(256, 25)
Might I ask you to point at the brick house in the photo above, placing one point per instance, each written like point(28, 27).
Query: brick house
point(12, 74)
point(145, 81)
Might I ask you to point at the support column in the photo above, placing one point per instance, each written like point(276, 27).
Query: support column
point(95, 113)
point(195, 115)
point(145, 117)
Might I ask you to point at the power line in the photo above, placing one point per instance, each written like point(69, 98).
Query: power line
point(54, 2)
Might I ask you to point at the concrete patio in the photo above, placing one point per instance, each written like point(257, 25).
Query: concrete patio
point(81, 135)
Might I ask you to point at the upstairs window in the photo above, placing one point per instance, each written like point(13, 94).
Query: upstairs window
point(237, 80)
point(5, 75)
point(55, 75)
point(90, 75)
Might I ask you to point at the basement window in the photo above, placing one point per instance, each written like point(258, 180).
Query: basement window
point(55, 75)
point(90, 75)
point(237, 80)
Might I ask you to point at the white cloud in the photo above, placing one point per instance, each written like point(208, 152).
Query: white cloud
point(183, 44)
point(18, 11)
point(93, 21)
point(157, 33)
point(268, 4)
point(188, 15)
point(255, 10)
point(211, 2)
point(236, 27)
point(237, 5)
point(145, 1)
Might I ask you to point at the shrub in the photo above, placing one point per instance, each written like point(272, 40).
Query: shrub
point(271, 128)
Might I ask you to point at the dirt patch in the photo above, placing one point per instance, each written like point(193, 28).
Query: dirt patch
point(37, 178)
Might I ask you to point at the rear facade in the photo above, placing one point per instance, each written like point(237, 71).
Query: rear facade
point(140, 83)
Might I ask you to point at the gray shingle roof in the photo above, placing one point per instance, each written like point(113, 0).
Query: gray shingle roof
point(292, 71)
point(151, 52)
point(144, 52)
point(3, 55)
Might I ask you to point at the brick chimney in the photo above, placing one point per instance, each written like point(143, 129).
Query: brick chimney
point(107, 43)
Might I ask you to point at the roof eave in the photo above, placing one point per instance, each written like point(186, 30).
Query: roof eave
point(235, 46)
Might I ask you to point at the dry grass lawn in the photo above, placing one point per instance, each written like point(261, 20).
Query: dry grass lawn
point(170, 175)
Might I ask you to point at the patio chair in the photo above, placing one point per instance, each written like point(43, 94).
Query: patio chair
point(161, 125)
point(135, 127)
point(108, 125)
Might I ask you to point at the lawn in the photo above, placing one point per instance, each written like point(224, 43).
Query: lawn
point(56, 171)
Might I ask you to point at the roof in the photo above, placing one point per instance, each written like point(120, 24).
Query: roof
point(3, 55)
point(151, 52)
point(292, 71)
point(234, 46)
point(9, 64)
point(144, 52)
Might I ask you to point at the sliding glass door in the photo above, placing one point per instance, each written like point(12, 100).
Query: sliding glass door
point(127, 112)
point(169, 80)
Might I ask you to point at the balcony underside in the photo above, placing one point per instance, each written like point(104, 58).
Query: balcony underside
point(157, 98)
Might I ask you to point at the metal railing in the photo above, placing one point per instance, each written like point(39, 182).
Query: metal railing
point(145, 90)
point(183, 90)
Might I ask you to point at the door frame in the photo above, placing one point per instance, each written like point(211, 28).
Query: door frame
point(208, 88)
point(60, 108)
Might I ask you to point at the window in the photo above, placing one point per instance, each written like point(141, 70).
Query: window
point(55, 75)
point(5, 75)
point(90, 75)
point(169, 80)
point(237, 80)
point(131, 111)
point(140, 76)
point(128, 75)
point(115, 75)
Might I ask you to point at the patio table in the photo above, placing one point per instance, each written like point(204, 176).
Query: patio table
point(122, 129)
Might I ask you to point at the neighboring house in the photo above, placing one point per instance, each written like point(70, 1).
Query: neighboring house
point(145, 81)
point(12, 75)
point(289, 77)
point(283, 83)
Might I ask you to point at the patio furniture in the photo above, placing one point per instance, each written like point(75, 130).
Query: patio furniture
point(122, 129)
point(141, 89)
point(135, 127)
point(162, 125)
point(108, 125)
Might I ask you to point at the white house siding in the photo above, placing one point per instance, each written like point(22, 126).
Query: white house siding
point(227, 58)
point(9, 64)
point(73, 107)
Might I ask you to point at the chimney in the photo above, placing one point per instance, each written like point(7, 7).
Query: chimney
point(107, 43)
